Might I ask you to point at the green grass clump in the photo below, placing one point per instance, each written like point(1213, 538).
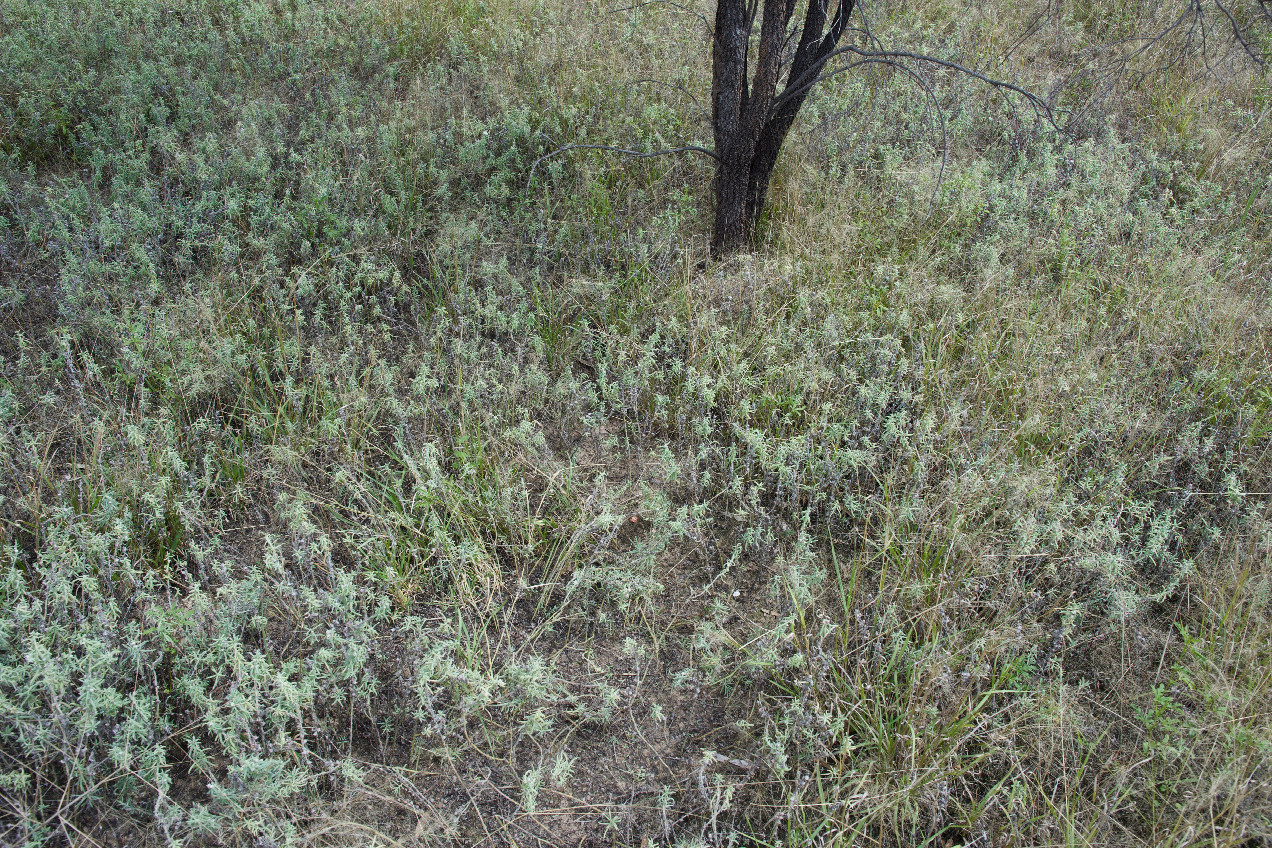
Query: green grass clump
point(359, 486)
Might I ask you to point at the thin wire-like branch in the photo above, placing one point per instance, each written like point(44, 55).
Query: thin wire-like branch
point(701, 109)
point(812, 78)
point(1199, 23)
point(936, 108)
point(863, 12)
point(635, 154)
point(1030, 31)
point(679, 8)
point(1190, 33)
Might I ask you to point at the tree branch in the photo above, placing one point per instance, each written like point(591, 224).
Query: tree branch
point(936, 107)
point(800, 86)
point(1031, 30)
point(1239, 35)
point(679, 8)
point(702, 109)
point(635, 154)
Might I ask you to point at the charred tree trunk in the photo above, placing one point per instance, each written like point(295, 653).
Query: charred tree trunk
point(751, 121)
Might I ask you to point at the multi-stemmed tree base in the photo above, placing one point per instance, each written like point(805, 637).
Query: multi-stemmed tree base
point(751, 120)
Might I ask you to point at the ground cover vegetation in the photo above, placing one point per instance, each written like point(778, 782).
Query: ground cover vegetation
point(360, 486)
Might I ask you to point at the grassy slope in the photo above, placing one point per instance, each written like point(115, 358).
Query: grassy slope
point(352, 494)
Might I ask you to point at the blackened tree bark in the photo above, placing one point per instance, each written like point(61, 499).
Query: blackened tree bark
point(751, 119)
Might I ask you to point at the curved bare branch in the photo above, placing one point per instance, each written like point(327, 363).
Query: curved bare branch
point(635, 154)
point(1237, 33)
point(674, 5)
point(680, 88)
point(801, 86)
point(936, 107)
